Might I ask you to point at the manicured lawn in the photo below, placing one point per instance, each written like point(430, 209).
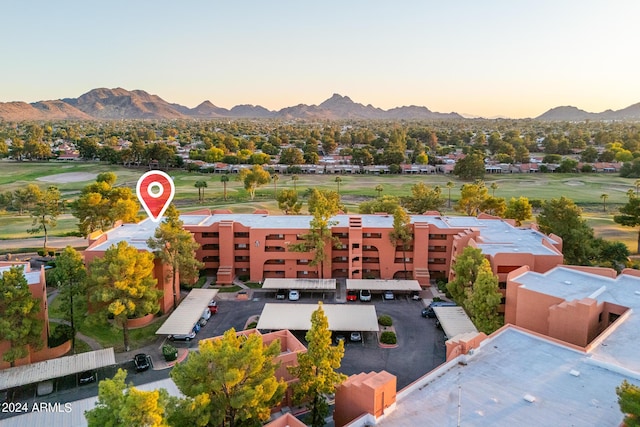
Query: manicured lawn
point(111, 336)
point(15, 226)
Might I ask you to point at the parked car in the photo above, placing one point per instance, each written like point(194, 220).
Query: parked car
point(213, 307)
point(86, 377)
point(428, 311)
point(186, 337)
point(281, 294)
point(206, 315)
point(415, 295)
point(340, 338)
point(365, 295)
point(355, 336)
point(388, 295)
point(352, 295)
point(294, 295)
point(142, 362)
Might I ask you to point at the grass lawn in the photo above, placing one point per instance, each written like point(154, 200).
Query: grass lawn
point(584, 189)
point(111, 336)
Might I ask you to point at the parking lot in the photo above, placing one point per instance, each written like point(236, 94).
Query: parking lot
point(420, 345)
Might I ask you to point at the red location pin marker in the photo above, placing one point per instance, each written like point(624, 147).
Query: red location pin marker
point(155, 191)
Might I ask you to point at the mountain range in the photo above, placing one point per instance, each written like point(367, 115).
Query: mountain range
point(117, 104)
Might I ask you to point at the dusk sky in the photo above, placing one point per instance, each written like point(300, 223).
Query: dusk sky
point(489, 58)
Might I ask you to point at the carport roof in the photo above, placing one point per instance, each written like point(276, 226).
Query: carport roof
point(189, 311)
point(454, 321)
point(383, 285)
point(56, 368)
point(304, 284)
point(298, 317)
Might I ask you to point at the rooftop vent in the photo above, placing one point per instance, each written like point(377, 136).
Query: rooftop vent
point(567, 282)
point(574, 373)
point(637, 292)
point(529, 398)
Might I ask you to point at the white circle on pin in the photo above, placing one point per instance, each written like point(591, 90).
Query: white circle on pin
point(155, 189)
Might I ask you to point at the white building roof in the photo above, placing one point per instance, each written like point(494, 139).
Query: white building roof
point(491, 387)
point(56, 368)
point(184, 318)
point(454, 321)
point(622, 346)
point(298, 317)
point(306, 284)
point(383, 285)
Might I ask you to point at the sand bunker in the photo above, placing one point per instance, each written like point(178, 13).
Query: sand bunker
point(574, 183)
point(63, 178)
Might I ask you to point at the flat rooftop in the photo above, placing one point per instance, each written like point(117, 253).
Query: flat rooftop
point(621, 347)
point(303, 284)
point(496, 236)
point(491, 386)
point(341, 317)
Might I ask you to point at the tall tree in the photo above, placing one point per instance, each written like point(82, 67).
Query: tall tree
point(472, 196)
point(237, 373)
point(26, 198)
point(224, 179)
point(70, 275)
point(176, 247)
point(483, 300)
point(630, 214)
point(604, 197)
point(518, 209)
point(423, 198)
point(629, 401)
point(465, 271)
point(386, 203)
point(295, 179)
point(122, 405)
point(494, 206)
point(449, 186)
point(563, 218)
point(45, 213)
point(121, 283)
point(275, 178)
point(200, 185)
point(494, 187)
point(254, 178)
point(470, 167)
point(379, 189)
point(288, 202)
point(101, 204)
point(338, 181)
point(316, 370)
point(402, 234)
point(19, 322)
point(323, 205)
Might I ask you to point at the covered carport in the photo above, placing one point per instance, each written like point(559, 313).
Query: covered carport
point(310, 286)
point(184, 318)
point(454, 321)
point(56, 368)
point(379, 285)
point(298, 317)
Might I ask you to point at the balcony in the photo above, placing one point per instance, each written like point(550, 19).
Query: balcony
point(275, 237)
point(274, 249)
point(274, 262)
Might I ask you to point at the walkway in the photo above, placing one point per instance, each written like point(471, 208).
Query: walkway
point(95, 345)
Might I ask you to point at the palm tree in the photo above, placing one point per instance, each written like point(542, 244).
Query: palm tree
point(637, 185)
point(494, 187)
point(295, 179)
point(338, 181)
point(201, 185)
point(224, 179)
point(604, 197)
point(379, 189)
point(275, 177)
point(450, 185)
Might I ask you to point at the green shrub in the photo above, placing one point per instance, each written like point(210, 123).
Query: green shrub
point(385, 320)
point(169, 352)
point(51, 252)
point(244, 277)
point(60, 334)
point(388, 337)
point(252, 325)
point(41, 252)
point(437, 299)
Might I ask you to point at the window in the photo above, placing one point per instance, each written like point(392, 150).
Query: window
point(241, 234)
point(241, 246)
point(216, 234)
